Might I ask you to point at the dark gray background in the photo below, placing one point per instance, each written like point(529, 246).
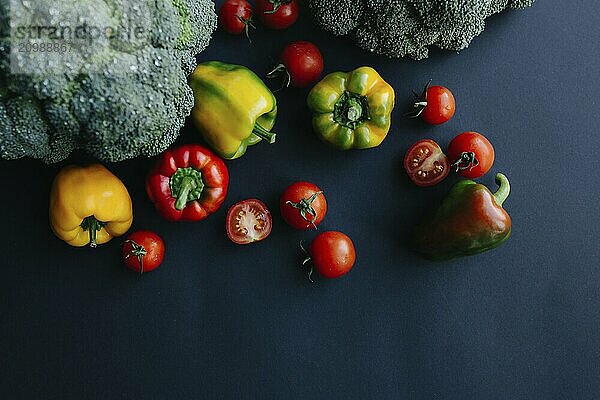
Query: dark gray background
point(222, 321)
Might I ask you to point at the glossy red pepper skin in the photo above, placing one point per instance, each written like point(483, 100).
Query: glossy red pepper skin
point(212, 183)
point(470, 220)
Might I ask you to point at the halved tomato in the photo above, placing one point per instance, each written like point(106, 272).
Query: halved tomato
point(248, 221)
point(426, 164)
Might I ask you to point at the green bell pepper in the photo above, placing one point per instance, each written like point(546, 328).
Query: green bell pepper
point(352, 110)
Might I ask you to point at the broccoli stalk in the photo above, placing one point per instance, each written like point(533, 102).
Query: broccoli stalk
point(114, 98)
point(399, 28)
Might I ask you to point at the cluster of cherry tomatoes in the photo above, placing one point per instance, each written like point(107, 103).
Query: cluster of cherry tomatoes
point(303, 206)
point(300, 63)
point(469, 154)
point(237, 16)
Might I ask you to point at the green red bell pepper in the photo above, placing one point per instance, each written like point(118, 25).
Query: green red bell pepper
point(352, 110)
point(470, 220)
point(188, 183)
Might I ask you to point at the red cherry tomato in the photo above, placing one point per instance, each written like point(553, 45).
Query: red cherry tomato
point(277, 14)
point(235, 16)
point(426, 164)
point(143, 251)
point(248, 221)
point(471, 154)
point(440, 105)
point(332, 254)
point(303, 205)
point(301, 62)
point(435, 105)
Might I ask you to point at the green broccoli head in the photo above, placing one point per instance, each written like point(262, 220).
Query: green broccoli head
point(115, 97)
point(399, 28)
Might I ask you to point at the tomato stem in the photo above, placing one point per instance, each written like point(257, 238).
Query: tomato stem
point(420, 103)
point(279, 70)
point(276, 5)
point(305, 207)
point(138, 251)
point(467, 160)
point(248, 23)
point(308, 260)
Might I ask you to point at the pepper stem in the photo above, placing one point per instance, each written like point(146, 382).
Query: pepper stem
point(503, 188)
point(354, 110)
point(186, 185)
point(350, 110)
point(264, 134)
point(92, 225)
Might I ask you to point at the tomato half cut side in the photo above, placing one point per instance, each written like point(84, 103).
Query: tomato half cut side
point(426, 164)
point(248, 221)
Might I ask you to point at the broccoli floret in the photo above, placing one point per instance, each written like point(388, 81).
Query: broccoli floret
point(116, 97)
point(399, 28)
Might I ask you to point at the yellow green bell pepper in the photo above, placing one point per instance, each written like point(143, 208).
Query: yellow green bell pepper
point(233, 107)
point(89, 205)
point(352, 110)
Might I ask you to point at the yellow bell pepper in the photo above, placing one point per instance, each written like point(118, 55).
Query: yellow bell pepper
point(233, 108)
point(89, 205)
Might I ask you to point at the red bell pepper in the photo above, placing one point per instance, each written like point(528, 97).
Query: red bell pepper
point(188, 183)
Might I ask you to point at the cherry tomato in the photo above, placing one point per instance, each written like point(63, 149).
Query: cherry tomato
point(143, 251)
point(332, 254)
point(248, 221)
point(471, 154)
point(277, 14)
point(426, 164)
point(440, 105)
point(435, 105)
point(303, 205)
point(301, 63)
point(235, 16)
